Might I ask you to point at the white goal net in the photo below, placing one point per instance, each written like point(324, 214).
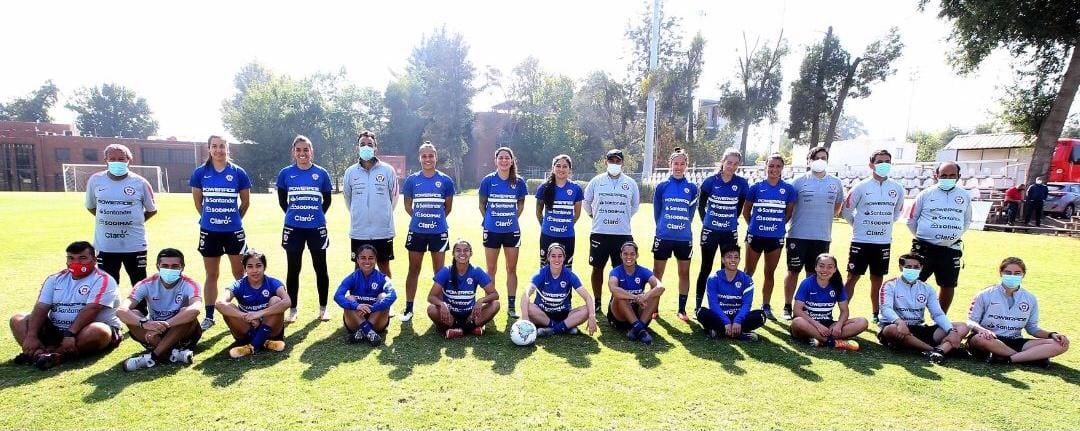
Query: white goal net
point(76, 176)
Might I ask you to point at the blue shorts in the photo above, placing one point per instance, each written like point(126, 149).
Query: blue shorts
point(422, 242)
point(216, 244)
point(296, 238)
point(662, 249)
point(499, 240)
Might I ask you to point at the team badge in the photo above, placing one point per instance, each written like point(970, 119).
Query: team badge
point(783, 191)
point(892, 193)
point(832, 293)
point(637, 280)
point(562, 283)
point(315, 177)
point(374, 285)
point(686, 190)
point(438, 184)
point(569, 192)
point(129, 190)
point(791, 245)
point(84, 289)
point(832, 187)
point(179, 299)
point(380, 178)
point(959, 200)
point(266, 293)
point(734, 188)
point(469, 280)
point(921, 298)
point(1024, 307)
point(625, 186)
point(228, 177)
point(738, 285)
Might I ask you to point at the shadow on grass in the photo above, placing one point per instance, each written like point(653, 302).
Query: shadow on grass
point(695, 342)
point(113, 381)
point(12, 375)
point(410, 349)
point(495, 346)
point(333, 350)
point(997, 372)
point(615, 339)
point(864, 362)
point(227, 371)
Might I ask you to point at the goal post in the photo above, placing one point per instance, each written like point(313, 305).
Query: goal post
point(76, 176)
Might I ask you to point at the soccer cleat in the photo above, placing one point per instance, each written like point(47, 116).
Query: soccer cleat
point(1041, 363)
point(767, 309)
point(934, 356)
point(572, 331)
point(991, 358)
point(207, 323)
point(357, 336)
point(181, 356)
point(291, 317)
point(46, 361)
point(748, 336)
point(682, 316)
point(373, 338)
point(877, 322)
point(407, 316)
point(645, 337)
point(478, 330)
point(544, 332)
point(849, 345)
point(598, 310)
point(141, 361)
point(511, 313)
point(632, 335)
point(22, 359)
point(241, 351)
point(454, 333)
point(788, 315)
point(274, 345)
point(814, 342)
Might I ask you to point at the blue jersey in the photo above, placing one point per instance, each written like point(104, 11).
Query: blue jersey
point(559, 219)
point(221, 196)
point(305, 188)
point(459, 291)
point(357, 289)
point(721, 202)
point(731, 300)
point(633, 283)
point(553, 294)
point(673, 209)
point(254, 298)
point(500, 212)
point(429, 195)
point(768, 215)
point(819, 300)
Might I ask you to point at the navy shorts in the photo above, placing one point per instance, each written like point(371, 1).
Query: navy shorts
point(295, 238)
point(605, 247)
point(423, 242)
point(763, 244)
point(923, 332)
point(619, 324)
point(712, 239)
point(384, 248)
point(216, 244)
point(862, 255)
point(555, 316)
point(567, 243)
point(662, 249)
point(500, 240)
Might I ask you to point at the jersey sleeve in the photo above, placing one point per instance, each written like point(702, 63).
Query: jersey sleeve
point(588, 196)
point(635, 198)
point(540, 192)
point(45, 296)
point(899, 209)
point(978, 308)
point(442, 277)
point(324, 184)
point(887, 313)
point(576, 281)
point(148, 201)
point(482, 278)
point(850, 203)
point(280, 182)
point(579, 194)
point(522, 189)
point(803, 291)
point(106, 292)
point(936, 313)
point(91, 194)
point(449, 188)
point(196, 178)
point(243, 182)
point(482, 191)
point(913, 215)
point(388, 296)
point(342, 290)
point(793, 194)
point(747, 300)
point(1032, 326)
point(658, 201)
point(538, 279)
point(138, 293)
point(842, 295)
point(407, 188)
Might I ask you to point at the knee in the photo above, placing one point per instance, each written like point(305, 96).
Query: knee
point(93, 335)
point(16, 319)
point(494, 305)
point(859, 323)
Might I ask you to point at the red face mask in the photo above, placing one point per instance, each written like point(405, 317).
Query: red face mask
point(79, 269)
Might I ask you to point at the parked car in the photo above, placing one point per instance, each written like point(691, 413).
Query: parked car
point(1063, 199)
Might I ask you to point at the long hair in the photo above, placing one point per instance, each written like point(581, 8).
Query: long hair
point(549, 186)
point(732, 151)
point(210, 141)
point(836, 282)
point(513, 178)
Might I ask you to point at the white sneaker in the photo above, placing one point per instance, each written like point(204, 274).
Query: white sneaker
point(207, 323)
point(181, 356)
point(136, 362)
point(291, 317)
point(407, 316)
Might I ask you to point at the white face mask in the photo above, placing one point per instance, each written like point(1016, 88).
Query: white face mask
point(819, 165)
point(614, 169)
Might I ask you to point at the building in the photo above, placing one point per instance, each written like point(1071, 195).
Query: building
point(1006, 154)
point(856, 152)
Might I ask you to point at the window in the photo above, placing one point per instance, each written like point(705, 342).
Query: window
point(63, 154)
point(89, 155)
point(178, 156)
point(155, 156)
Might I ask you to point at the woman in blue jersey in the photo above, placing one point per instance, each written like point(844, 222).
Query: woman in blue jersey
point(366, 296)
point(719, 206)
point(769, 205)
point(429, 197)
point(631, 307)
point(553, 285)
point(221, 191)
point(452, 303)
point(731, 295)
point(558, 206)
point(502, 199)
point(303, 191)
point(257, 320)
point(674, 202)
point(814, 302)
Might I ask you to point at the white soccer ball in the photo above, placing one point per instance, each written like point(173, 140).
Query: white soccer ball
point(523, 332)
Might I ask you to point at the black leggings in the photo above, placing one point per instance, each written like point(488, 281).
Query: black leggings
point(295, 263)
point(711, 320)
point(708, 254)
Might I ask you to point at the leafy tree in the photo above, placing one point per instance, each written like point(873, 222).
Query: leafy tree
point(849, 128)
point(608, 119)
point(929, 143)
point(543, 121)
point(405, 127)
point(112, 110)
point(32, 108)
point(756, 92)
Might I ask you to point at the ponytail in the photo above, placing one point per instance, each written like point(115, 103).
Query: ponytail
point(549, 186)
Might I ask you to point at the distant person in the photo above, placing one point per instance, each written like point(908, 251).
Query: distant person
point(121, 202)
point(257, 320)
point(222, 194)
point(632, 306)
point(719, 206)
point(904, 302)
point(169, 328)
point(1013, 197)
point(75, 313)
point(769, 205)
point(814, 303)
point(820, 197)
point(304, 194)
point(452, 303)
point(939, 217)
point(429, 198)
point(366, 295)
point(558, 207)
point(502, 200)
point(611, 200)
point(731, 299)
point(552, 311)
point(1033, 206)
point(674, 202)
point(370, 190)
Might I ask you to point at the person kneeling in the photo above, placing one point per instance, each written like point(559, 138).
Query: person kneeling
point(903, 302)
point(452, 303)
point(551, 310)
point(814, 302)
point(366, 295)
point(257, 320)
point(631, 308)
point(169, 326)
point(730, 296)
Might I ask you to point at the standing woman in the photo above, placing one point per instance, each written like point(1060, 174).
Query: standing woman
point(303, 191)
point(719, 206)
point(814, 302)
point(673, 209)
point(771, 202)
point(222, 192)
point(429, 197)
point(502, 199)
point(558, 206)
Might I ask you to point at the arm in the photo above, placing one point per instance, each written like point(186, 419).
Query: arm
point(346, 191)
point(843, 306)
point(281, 305)
point(852, 202)
point(189, 314)
point(448, 205)
point(435, 295)
point(657, 203)
point(746, 212)
point(520, 207)
point(91, 199)
point(978, 309)
point(393, 189)
point(589, 199)
point(490, 294)
point(789, 211)
point(584, 293)
point(245, 201)
point(196, 195)
point(326, 201)
point(37, 318)
point(85, 317)
point(747, 301)
point(540, 210)
point(887, 312)
point(529, 291)
point(913, 216)
point(936, 313)
point(712, 288)
point(224, 306)
point(125, 314)
point(387, 298)
point(577, 211)
point(703, 199)
point(341, 298)
point(408, 205)
point(635, 200)
point(616, 291)
point(283, 199)
point(899, 209)
point(839, 202)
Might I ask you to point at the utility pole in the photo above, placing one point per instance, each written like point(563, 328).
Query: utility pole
point(650, 104)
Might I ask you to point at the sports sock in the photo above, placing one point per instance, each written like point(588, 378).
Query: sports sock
point(511, 301)
point(408, 306)
point(559, 326)
point(209, 312)
point(682, 303)
point(366, 327)
point(260, 336)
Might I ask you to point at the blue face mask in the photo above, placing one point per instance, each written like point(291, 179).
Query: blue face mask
point(169, 275)
point(1011, 281)
point(910, 274)
point(118, 169)
point(883, 169)
point(367, 153)
point(946, 183)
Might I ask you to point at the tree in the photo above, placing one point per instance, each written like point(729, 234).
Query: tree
point(757, 91)
point(849, 128)
point(929, 143)
point(112, 110)
point(829, 75)
point(32, 108)
point(405, 127)
point(1045, 33)
point(542, 119)
point(607, 117)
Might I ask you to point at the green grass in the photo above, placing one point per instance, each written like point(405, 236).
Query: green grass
point(419, 380)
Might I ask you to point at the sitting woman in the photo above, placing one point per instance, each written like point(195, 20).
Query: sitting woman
point(452, 303)
point(999, 312)
point(730, 296)
point(551, 310)
point(631, 308)
point(257, 320)
point(366, 295)
point(814, 302)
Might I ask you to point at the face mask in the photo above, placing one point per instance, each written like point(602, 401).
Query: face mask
point(911, 274)
point(1011, 281)
point(613, 169)
point(819, 165)
point(118, 169)
point(946, 183)
point(80, 269)
point(169, 275)
point(883, 169)
point(366, 153)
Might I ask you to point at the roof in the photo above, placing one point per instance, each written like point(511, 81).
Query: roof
point(990, 140)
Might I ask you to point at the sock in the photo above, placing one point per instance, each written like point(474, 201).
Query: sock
point(597, 301)
point(209, 312)
point(366, 327)
point(831, 342)
point(157, 358)
point(511, 301)
point(682, 303)
point(637, 327)
point(408, 306)
point(787, 306)
point(322, 309)
point(559, 326)
point(258, 338)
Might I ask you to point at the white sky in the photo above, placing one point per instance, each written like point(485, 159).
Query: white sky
point(182, 56)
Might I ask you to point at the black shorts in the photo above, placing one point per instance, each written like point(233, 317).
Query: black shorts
point(567, 243)
point(712, 239)
point(862, 255)
point(943, 262)
point(134, 262)
point(460, 319)
point(295, 238)
point(1017, 344)
point(187, 343)
point(604, 248)
point(803, 253)
point(619, 324)
point(923, 332)
point(500, 240)
point(763, 244)
point(51, 335)
point(216, 244)
point(662, 249)
point(384, 248)
point(424, 242)
point(555, 316)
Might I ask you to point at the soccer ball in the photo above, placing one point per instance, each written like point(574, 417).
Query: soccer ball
point(523, 332)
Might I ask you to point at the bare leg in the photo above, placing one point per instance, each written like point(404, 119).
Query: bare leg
point(416, 258)
point(684, 277)
point(434, 313)
point(384, 267)
point(213, 271)
point(875, 290)
point(849, 286)
point(511, 270)
point(487, 312)
point(945, 297)
point(853, 327)
point(1039, 349)
point(772, 258)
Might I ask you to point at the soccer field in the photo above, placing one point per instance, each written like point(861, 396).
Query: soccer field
point(420, 380)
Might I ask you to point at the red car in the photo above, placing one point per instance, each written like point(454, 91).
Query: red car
point(1065, 163)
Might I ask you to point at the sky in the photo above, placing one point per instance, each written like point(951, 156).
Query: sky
point(182, 56)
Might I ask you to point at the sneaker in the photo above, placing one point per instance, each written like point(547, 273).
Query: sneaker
point(22, 359)
point(645, 337)
point(511, 313)
point(274, 345)
point(632, 335)
point(767, 309)
point(572, 331)
point(599, 310)
point(544, 332)
point(181, 356)
point(1042, 363)
point(934, 356)
point(373, 338)
point(788, 315)
point(46, 361)
point(324, 316)
point(682, 316)
point(241, 351)
point(876, 321)
point(407, 316)
point(291, 317)
point(454, 333)
point(478, 330)
point(207, 323)
point(357, 336)
point(711, 334)
point(749, 336)
point(996, 359)
point(141, 361)
point(849, 345)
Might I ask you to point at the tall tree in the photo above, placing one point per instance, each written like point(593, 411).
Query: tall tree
point(405, 127)
point(542, 121)
point(33, 107)
point(112, 110)
point(1043, 32)
point(757, 91)
point(607, 116)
